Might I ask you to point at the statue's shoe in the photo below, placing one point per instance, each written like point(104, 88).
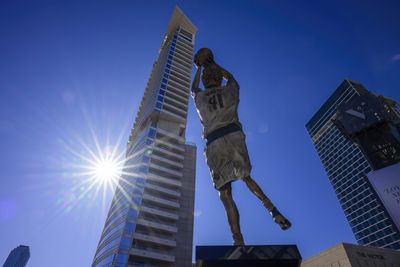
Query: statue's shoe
point(280, 219)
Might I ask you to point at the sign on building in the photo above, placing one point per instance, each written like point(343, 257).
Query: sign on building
point(386, 183)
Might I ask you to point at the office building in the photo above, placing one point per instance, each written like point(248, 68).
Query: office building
point(18, 257)
point(354, 256)
point(150, 222)
point(356, 135)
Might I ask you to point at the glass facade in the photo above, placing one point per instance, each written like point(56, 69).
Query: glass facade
point(347, 167)
point(18, 257)
point(150, 221)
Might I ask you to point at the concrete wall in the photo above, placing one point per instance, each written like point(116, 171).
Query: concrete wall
point(347, 255)
point(184, 241)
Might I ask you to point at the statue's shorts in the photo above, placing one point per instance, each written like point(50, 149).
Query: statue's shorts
point(228, 159)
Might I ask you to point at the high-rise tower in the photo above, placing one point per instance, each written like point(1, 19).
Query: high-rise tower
point(18, 257)
point(150, 222)
point(356, 135)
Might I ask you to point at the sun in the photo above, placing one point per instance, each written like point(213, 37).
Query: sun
point(106, 170)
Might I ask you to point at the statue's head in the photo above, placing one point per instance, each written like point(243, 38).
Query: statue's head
point(204, 57)
point(212, 76)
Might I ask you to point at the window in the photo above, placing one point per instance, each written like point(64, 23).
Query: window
point(125, 244)
point(146, 159)
point(185, 33)
point(129, 227)
point(132, 214)
point(143, 169)
point(152, 133)
point(149, 141)
point(122, 259)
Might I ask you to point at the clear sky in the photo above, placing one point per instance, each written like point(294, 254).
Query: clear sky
point(73, 72)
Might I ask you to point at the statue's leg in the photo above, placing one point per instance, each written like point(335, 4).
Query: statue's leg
point(276, 215)
point(232, 213)
point(257, 191)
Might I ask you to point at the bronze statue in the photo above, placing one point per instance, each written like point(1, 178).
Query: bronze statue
point(226, 152)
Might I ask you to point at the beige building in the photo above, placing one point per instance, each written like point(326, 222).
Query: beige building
point(348, 255)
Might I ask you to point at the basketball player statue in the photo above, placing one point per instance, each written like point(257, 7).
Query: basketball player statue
point(226, 152)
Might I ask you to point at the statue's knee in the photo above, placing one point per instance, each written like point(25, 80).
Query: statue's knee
point(224, 195)
point(247, 179)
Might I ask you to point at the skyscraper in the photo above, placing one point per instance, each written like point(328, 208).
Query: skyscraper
point(18, 257)
point(150, 222)
point(350, 157)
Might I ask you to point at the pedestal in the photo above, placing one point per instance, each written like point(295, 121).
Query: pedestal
point(248, 256)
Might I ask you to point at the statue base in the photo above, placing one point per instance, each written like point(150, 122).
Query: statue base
point(249, 256)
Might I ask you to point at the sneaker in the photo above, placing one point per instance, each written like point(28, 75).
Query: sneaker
point(280, 219)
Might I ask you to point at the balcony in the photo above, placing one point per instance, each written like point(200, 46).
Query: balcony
point(180, 89)
point(185, 72)
point(154, 239)
point(161, 201)
point(151, 255)
point(171, 135)
point(182, 54)
point(180, 76)
point(159, 226)
point(171, 114)
point(169, 145)
point(182, 105)
point(182, 66)
point(185, 49)
point(159, 212)
point(186, 65)
point(180, 49)
point(166, 170)
point(164, 180)
point(175, 108)
point(165, 191)
point(168, 153)
point(172, 94)
point(167, 161)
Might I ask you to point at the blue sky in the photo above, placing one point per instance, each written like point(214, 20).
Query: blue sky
point(72, 72)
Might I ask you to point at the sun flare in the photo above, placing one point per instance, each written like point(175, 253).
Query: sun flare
point(106, 170)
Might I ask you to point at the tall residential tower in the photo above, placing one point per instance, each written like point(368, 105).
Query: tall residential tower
point(18, 257)
point(356, 135)
point(150, 222)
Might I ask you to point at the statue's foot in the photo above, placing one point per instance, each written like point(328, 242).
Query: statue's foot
point(238, 240)
point(280, 219)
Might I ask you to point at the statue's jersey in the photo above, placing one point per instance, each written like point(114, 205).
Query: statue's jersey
point(217, 107)
point(226, 156)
